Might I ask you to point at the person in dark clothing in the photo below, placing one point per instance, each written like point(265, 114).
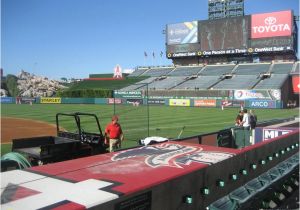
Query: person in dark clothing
point(252, 120)
point(239, 119)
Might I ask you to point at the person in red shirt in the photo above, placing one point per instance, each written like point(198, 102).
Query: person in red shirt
point(114, 134)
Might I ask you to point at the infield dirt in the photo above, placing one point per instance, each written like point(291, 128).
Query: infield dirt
point(14, 128)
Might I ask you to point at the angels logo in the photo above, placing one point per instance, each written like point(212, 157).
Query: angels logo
point(118, 71)
point(172, 155)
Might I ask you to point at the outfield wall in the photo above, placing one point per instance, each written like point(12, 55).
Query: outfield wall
point(184, 102)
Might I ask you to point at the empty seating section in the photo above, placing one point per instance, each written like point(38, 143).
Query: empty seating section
point(146, 81)
point(156, 72)
point(282, 68)
point(138, 72)
point(217, 70)
point(201, 82)
point(132, 87)
point(252, 69)
point(185, 71)
point(139, 85)
point(245, 76)
point(166, 83)
point(274, 82)
point(238, 82)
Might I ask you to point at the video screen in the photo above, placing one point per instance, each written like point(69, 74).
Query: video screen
point(229, 33)
point(182, 33)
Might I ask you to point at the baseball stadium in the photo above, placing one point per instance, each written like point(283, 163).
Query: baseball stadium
point(182, 146)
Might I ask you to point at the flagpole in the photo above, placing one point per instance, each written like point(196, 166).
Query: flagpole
point(153, 56)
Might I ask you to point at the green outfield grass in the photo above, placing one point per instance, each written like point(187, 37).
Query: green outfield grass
point(164, 121)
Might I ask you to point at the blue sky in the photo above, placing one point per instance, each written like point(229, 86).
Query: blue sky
point(73, 38)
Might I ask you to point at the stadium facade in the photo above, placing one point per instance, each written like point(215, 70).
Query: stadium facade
point(251, 57)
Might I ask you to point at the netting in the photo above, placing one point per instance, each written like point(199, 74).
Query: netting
point(133, 111)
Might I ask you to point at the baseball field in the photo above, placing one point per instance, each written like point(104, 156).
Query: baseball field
point(19, 121)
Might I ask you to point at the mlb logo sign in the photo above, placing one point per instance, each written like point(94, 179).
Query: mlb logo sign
point(273, 133)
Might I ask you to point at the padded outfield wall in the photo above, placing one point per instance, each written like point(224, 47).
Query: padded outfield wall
point(184, 101)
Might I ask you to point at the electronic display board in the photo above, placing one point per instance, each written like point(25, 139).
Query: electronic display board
point(223, 34)
point(182, 33)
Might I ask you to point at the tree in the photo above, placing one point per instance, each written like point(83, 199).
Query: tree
point(64, 79)
point(12, 85)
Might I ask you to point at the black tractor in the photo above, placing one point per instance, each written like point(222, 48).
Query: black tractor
point(84, 139)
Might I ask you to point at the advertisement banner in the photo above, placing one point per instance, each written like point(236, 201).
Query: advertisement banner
point(114, 101)
point(134, 102)
point(127, 94)
point(28, 100)
point(262, 104)
point(270, 133)
point(263, 134)
point(179, 102)
point(271, 24)
point(182, 33)
point(257, 94)
point(156, 101)
point(205, 103)
point(296, 84)
point(269, 49)
point(232, 103)
point(6, 100)
point(48, 100)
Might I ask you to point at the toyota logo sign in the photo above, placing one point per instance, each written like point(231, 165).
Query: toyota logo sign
point(270, 20)
point(271, 24)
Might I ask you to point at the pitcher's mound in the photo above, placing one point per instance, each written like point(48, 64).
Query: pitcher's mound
point(14, 128)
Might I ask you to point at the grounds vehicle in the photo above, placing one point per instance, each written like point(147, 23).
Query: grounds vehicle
point(67, 144)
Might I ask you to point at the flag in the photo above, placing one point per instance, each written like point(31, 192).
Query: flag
point(153, 55)
point(161, 53)
point(145, 54)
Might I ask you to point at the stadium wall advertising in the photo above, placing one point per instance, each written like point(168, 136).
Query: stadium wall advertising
point(6, 100)
point(179, 102)
point(182, 33)
point(232, 103)
point(263, 134)
point(114, 101)
point(257, 94)
point(127, 94)
point(261, 104)
point(156, 101)
point(205, 103)
point(48, 100)
point(134, 101)
point(28, 100)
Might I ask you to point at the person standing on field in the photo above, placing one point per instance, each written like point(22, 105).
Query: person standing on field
point(114, 134)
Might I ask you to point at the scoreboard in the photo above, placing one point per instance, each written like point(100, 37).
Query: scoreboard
point(257, 33)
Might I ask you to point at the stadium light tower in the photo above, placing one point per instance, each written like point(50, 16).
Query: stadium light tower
point(218, 9)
